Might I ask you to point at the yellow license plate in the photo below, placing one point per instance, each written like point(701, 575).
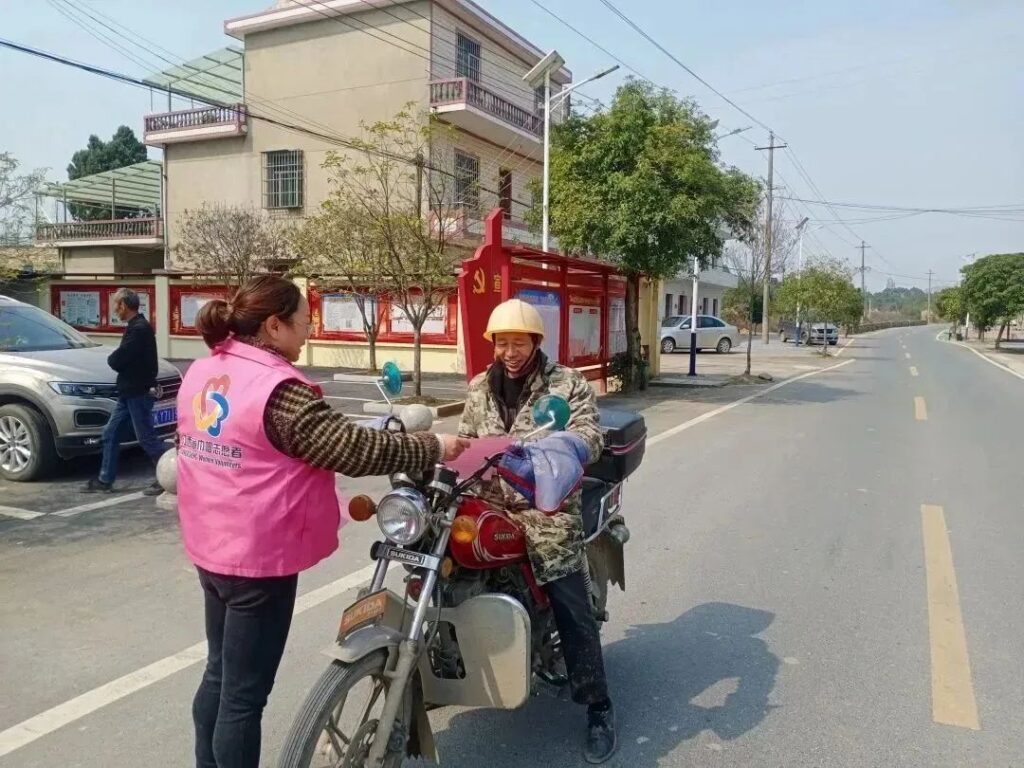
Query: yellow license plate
point(367, 611)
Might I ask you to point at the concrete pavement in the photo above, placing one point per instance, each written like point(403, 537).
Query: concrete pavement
point(794, 599)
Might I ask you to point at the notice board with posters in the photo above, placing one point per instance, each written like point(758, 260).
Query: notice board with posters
point(584, 328)
point(616, 325)
point(186, 301)
point(90, 307)
point(340, 312)
point(549, 305)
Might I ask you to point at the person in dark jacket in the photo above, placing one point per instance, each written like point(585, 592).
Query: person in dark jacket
point(135, 362)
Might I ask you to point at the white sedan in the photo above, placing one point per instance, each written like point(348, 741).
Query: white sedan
point(712, 333)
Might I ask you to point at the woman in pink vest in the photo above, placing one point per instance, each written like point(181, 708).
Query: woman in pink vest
point(257, 456)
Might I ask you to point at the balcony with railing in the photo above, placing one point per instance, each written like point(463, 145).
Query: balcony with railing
point(196, 125)
point(140, 231)
point(478, 109)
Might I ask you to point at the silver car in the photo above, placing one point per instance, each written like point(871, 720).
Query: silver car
point(57, 393)
point(712, 333)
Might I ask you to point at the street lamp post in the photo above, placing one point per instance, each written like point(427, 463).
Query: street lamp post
point(693, 320)
point(541, 75)
point(801, 228)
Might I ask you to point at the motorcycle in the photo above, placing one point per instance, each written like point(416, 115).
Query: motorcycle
point(473, 628)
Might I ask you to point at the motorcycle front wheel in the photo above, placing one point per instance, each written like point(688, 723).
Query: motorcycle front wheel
point(337, 723)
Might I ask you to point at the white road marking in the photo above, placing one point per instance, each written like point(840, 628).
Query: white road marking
point(847, 344)
point(20, 514)
point(47, 722)
point(110, 502)
point(989, 360)
point(673, 431)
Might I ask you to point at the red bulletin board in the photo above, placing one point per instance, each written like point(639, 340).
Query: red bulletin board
point(89, 307)
point(441, 329)
point(585, 332)
point(555, 283)
point(186, 301)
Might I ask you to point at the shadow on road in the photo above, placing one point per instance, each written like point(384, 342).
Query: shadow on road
point(707, 670)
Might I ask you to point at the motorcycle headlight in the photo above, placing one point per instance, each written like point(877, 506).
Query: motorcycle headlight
point(402, 516)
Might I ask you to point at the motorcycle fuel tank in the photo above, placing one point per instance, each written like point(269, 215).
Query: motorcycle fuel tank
point(499, 541)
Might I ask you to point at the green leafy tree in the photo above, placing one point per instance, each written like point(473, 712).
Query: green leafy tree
point(949, 303)
point(993, 291)
point(122, 150)
point(824, 292)
point(640, 184)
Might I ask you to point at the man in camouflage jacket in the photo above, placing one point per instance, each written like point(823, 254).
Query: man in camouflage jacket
point(555, 542)
point(500, 402)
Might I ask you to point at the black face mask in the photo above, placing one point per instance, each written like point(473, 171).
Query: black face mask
point(509, 391)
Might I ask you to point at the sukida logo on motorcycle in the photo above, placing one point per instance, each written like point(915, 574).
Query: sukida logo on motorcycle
point(387, 552)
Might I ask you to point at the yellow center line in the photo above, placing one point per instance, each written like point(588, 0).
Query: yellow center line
point(913, 370)
point(953, 700)
point(920, 409)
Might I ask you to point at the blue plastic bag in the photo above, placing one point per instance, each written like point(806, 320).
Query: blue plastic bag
point(545, 472)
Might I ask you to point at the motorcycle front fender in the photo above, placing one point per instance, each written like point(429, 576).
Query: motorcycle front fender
point(387, 634)
point(363, 642)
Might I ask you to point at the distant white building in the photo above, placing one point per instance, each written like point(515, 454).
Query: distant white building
point(677, 293)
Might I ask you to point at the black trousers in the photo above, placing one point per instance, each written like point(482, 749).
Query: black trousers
point(581, 641)
point(247, 623)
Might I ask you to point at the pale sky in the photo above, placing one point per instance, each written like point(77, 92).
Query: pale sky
point(910, 103)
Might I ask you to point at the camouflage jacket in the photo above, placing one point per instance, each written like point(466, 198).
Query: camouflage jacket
point(555, 542)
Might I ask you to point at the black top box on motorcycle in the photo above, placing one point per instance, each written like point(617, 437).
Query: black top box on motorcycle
point(625, 441)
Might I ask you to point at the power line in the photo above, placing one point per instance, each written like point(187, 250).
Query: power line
point(593, 42)
point(1007, 208)
point(608, 4)
point(338, 140)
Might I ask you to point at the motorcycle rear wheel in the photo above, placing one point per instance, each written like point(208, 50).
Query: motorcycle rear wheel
point(325, 734)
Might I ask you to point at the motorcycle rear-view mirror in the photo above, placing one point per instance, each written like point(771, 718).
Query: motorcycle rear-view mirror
point(551, 412)
point(390, 381)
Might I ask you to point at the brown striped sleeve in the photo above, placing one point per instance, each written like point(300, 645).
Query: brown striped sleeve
point(301, 424)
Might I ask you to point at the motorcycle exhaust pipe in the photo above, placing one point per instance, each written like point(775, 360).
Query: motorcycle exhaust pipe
point(619, 532)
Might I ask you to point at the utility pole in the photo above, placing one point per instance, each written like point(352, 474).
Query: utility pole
point(928, 317)
point(863, 288)
point(772, 146)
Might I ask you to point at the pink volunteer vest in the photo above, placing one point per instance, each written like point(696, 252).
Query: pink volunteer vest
point(246, 509)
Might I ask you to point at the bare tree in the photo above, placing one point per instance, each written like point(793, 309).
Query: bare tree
point(748, 260)
point(232, 241)
point(16, 201)
point(400, 181)
point(340, 245)
point(17, 219)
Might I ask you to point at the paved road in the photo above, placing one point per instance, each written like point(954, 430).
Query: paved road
point(826, 575)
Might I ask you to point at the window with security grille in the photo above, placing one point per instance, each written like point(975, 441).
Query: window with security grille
point(282, 179)
point(467, 181)
point(467, 58)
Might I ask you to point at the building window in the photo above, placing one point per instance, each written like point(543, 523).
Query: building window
point(467, 181)
point(282, 179)
point(714, 307)
point(467, 58)
point(682, 304)
point(668, 305)
point(538, 99)
point(704, 306)
point(505, 191)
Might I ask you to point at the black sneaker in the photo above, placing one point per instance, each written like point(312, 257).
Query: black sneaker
point(602, 740)
point(98, 486)
point(153, 490)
